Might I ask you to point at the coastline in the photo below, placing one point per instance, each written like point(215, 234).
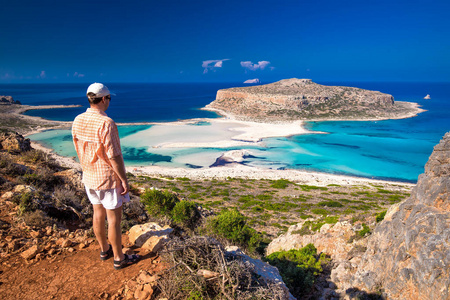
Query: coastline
point(246, 133)
point(236, 170)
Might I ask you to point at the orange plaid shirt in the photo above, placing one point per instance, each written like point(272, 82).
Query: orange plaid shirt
point(96, 140)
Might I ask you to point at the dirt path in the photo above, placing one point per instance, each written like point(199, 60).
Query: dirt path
point(77, 275)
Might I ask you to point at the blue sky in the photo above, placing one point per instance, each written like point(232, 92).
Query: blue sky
point(171, 41)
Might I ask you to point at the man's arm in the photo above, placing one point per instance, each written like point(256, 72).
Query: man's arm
point(119, 168)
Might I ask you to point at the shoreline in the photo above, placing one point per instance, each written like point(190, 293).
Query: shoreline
point(236, 170)
point(256, 131)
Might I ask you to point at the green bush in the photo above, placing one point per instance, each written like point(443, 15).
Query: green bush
point(280, 184)
point(159, 203)
point(298, 268)
point(364, 231)
point(330, 203)
point(232, 225)
point(380, 216)
point(186, 214)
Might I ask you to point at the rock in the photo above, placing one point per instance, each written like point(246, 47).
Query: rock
point(14, 245)
point(22, 189)
point(293, 99)
point(35, 234)
point(269, 273)
point(408, 252)
point(149, 236)
point(81, 246)
point(66, 243)
point(12, 141)
point(30, 253)
point(72, 177)
point(143, 292)
point(8, 100)
point(332, 239)
point(145, 277)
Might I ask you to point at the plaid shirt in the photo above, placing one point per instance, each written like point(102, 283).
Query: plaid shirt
point(96, 140)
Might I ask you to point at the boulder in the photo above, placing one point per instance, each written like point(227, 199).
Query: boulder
point(149, 236)
point(12, 141)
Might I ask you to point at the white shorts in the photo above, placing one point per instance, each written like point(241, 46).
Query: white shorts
point(110, 199)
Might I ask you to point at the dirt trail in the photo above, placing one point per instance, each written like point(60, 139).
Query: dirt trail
point(77, 275)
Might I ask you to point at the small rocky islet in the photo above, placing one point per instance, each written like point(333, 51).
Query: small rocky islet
point(302, 99)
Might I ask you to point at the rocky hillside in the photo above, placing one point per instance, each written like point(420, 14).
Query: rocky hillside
point(406, 256)
point(408, 253)
point(293, 99)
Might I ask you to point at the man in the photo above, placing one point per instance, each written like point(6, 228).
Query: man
point(97, 143)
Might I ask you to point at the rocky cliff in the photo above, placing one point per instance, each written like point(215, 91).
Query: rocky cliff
point(293, 99)
point(8, 100)
point(408, 254)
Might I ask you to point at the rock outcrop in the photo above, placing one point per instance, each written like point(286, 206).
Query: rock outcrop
point(408, 254)
point(13, 141)
point(293, 99)
point(8, 100)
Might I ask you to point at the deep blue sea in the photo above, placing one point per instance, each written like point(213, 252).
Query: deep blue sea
point(392, 149)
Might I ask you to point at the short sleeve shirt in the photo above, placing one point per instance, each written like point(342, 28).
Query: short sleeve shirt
point(96, 140)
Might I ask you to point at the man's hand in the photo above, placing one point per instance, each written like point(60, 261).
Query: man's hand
point(119, 168)
point(124, 188)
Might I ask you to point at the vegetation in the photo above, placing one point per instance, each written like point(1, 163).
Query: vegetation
point(232, 226)
point(380, 216)
point(298, 268)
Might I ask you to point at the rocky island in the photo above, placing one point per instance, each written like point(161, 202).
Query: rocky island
point(302, 99)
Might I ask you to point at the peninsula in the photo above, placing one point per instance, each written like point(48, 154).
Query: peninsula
point(301, 99)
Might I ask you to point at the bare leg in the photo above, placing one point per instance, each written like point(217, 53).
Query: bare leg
point(99, 226)
point(115, 232)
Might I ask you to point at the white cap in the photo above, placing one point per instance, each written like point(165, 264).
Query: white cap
point(99, 89)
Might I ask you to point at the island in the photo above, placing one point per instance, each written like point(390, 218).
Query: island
point(302, 99)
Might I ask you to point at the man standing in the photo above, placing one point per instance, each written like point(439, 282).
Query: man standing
point(97, 143)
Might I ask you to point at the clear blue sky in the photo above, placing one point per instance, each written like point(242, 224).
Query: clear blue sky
point(166, 41)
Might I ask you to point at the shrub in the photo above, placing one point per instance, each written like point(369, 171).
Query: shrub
point(38, 219)
point(186, 214)
point(235, 279)
point(307, 188)
point(330, 203)
point(232, 225)
point(25, 202)
point(380, 216)
point(159, 203)
point(280, 184)
point(298, 268)
point(364, 231)
point(320, 211)
point(43, 178)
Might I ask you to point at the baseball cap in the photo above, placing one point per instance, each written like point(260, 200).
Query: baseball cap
point(99, 89)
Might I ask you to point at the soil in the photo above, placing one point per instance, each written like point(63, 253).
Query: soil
point(77, 275)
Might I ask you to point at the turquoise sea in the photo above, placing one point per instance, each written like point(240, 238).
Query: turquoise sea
point(391, 149)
